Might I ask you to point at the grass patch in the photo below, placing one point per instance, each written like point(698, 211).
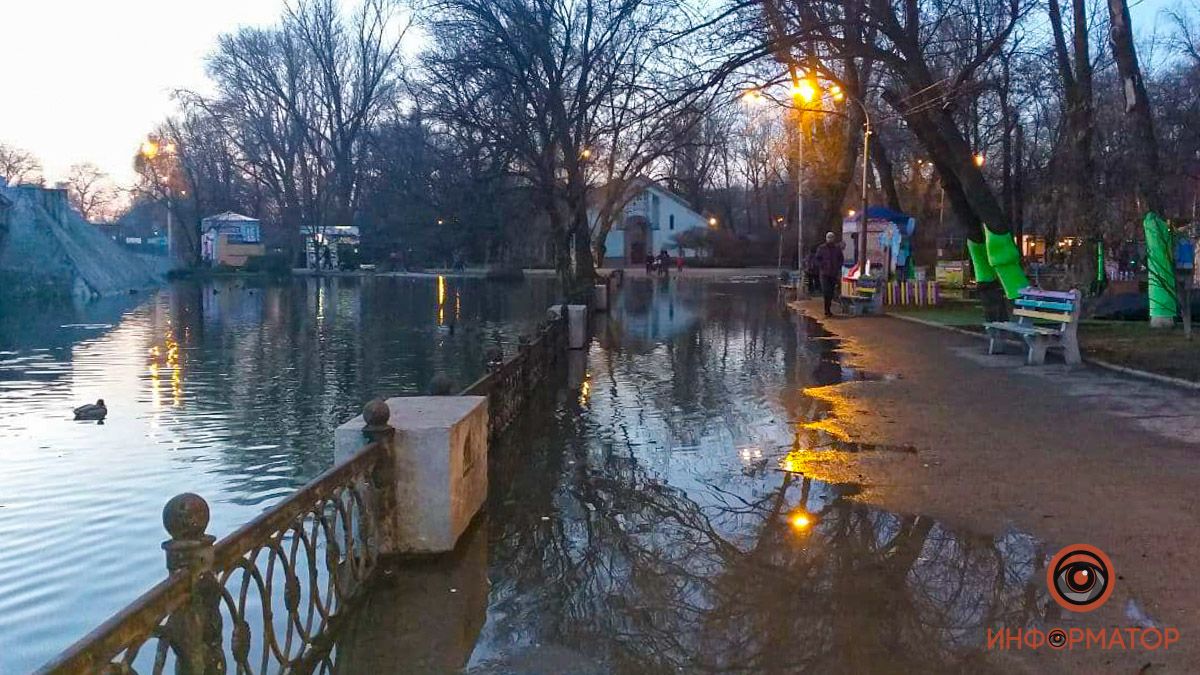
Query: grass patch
point(1127, 343)
point(1135, 345)
point(966, 314)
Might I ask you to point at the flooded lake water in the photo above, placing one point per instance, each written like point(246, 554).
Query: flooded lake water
point(226, 389)
point(651, 512)
point(653, 515)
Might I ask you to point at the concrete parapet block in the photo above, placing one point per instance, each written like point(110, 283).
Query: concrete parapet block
point(601, 297)
point(440, 476)
point(576, 326)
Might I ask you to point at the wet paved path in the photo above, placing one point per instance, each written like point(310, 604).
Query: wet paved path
point(1071, 455)
point(725, 486)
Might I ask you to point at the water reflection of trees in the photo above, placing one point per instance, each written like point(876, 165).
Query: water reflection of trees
point(709, 575)
point(269, 371)
point(645, 576)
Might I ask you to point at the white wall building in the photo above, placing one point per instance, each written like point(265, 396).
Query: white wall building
point(650, 222)
point(230, 239)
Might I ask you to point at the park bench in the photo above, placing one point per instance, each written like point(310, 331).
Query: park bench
point(1044, 319)
point(861, 296)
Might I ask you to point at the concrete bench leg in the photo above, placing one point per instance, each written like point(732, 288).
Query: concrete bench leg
point(995, 342)
point(1071, 350)
point(1037, 350)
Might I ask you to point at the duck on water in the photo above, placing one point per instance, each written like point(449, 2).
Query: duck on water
point(92, 411)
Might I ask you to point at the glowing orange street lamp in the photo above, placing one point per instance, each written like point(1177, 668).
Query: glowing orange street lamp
point(805, 90)
point(978, 158)
point(712, 222)
point(752, 97)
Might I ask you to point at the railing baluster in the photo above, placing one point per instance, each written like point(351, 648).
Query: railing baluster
point(377, 430)
point(194, 629)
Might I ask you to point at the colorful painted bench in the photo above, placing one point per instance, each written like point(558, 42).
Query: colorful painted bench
point(861, 296)
point(1044, 319)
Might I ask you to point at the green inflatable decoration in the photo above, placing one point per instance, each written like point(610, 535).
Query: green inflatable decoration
point(1161, 268)
point(1004, 257)
point(979, 262)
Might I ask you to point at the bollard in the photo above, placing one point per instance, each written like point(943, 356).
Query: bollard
point(576, 326)
point(195, 628)
point(601, 297)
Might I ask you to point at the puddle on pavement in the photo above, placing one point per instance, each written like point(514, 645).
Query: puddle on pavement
point(638, 521)
point(851, 446)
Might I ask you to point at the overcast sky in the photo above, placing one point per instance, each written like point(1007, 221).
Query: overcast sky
point(85, 80)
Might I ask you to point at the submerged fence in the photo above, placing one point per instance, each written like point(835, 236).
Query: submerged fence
point(270, 596)
point(509, 385)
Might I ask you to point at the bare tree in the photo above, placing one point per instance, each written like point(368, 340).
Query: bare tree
point(90, 191)
point(19, 166)
point(1137, 106)
point(573, 90)
point(295, 105)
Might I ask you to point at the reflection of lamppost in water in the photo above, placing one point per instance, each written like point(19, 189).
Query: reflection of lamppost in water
point(780, 225)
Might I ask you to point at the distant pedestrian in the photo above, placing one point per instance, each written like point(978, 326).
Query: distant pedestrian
point(650, 263)
point(664, 263)
point(679, 263)
point(829, 266)
point(812, 275)
point(327, 259)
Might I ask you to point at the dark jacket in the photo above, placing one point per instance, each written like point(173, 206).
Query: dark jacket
point(829, 259)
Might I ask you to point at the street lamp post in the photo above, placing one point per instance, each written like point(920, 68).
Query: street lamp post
point(862, 218)
point(150, 149)
point(800, 207)
point(807, 90)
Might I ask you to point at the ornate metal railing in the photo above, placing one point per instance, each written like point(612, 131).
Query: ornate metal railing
point(265, 598)
point(270, 597)
point(508, 385)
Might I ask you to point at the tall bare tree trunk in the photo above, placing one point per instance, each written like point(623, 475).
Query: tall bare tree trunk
point(887, 176)
point(1137, 107)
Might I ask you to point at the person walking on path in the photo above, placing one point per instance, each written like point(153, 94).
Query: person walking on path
point(829, 266)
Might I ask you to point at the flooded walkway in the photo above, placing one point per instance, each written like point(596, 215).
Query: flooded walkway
point(658, 514)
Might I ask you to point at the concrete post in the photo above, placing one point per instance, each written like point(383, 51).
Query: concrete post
point(440, 475)
point(576, 326)
point(601, 297)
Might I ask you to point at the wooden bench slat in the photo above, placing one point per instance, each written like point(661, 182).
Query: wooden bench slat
point(1021, 329)
point(1037, 292)
point(1044, 304)
point(1045, 316)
